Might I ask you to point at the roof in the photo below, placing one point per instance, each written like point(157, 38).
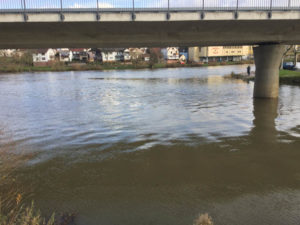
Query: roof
point(111, 49)
point(40, 51)
point(78, 49)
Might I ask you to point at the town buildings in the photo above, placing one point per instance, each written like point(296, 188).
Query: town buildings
point(65, 55)
point(42, 57)
point(170, 53)
point(220, 53)
point(109, 55)
point(80, 55)
point(112, 54)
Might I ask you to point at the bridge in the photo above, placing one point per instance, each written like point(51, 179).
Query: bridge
point(269, 24)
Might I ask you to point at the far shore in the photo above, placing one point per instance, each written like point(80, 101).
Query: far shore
point(16, 68)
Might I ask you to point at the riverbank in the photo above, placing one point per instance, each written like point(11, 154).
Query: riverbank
point(291, 77)
point(61, 67)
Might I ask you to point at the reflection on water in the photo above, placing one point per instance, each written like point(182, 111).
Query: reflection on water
point(156, 147)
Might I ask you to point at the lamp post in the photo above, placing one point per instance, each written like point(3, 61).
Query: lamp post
point(202, 12)
point(97, 14)
point(24, 8)
point(168, 13)
point(236, 14)
point(270, 11)
point(133, 16)
point(62, 17)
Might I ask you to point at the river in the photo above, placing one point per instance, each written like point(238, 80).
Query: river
point(154, 146)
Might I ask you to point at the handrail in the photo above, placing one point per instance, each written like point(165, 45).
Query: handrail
point(60, 6)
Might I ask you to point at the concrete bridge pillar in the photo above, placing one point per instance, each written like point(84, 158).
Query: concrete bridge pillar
point(267, 61)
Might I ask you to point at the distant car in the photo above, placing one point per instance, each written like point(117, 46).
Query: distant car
point(288, 66)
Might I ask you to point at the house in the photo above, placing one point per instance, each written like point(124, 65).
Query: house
point(91, 56)
point(127, 56)
point(171, 53)
point(42, 57)
point(65, 55)
point(137, 53)
point(79, 54)
point(112, 54)
point(222, 53)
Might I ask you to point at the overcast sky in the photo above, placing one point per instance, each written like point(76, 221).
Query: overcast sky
point(10, 4)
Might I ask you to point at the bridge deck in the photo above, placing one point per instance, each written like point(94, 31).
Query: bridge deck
point(156, 29)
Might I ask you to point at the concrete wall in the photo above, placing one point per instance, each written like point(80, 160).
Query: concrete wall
point(45, 30)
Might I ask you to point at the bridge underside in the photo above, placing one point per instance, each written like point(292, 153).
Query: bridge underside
point(151, 34)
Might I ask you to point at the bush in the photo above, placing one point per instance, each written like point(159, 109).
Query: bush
point(203, 219)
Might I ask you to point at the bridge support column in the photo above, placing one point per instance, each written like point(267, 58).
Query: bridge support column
point(267, 61)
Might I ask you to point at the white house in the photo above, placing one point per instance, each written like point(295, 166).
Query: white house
point(43, 55)
point(127, 56)
point(65, 55)
point(170, 53)
point(112, 55)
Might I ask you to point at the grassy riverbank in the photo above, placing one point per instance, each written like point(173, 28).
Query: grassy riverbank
point(291, 77)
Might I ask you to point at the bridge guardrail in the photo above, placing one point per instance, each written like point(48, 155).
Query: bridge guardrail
point(21, 6)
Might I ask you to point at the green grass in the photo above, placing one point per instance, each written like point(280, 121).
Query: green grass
point(289, 77)
point(289, 73)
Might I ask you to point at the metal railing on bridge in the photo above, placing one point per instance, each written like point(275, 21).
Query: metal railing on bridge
point(145, 5)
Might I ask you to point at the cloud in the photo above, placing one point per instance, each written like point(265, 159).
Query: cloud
point(105, 5)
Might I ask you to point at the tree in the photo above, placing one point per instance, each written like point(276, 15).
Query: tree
point(155, 56)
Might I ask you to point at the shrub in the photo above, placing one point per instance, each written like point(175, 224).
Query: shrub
point(203, 219)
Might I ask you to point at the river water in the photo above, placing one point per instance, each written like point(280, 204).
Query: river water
point(154, 147)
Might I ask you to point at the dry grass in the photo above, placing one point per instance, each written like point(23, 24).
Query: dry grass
point(13, 210)
point(203, 219)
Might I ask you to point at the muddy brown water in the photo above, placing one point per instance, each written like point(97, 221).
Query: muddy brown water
point(154, 147)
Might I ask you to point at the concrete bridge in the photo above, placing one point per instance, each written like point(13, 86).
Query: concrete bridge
point(269, 24)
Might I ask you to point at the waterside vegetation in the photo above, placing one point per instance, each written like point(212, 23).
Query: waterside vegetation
point(24, 64)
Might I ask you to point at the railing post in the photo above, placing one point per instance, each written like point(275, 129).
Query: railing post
point(25, 14)
point(62, 17)
point(202, 13)
point(133, 16)
point(168, 13)
point(289, 5)
point(236, 13)
point(98, 13)
point(270, 11)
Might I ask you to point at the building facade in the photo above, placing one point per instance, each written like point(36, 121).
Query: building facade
point(220, 53)
point(65, 55)
point(43, 56)
point(170, 53)
point(112, 54)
